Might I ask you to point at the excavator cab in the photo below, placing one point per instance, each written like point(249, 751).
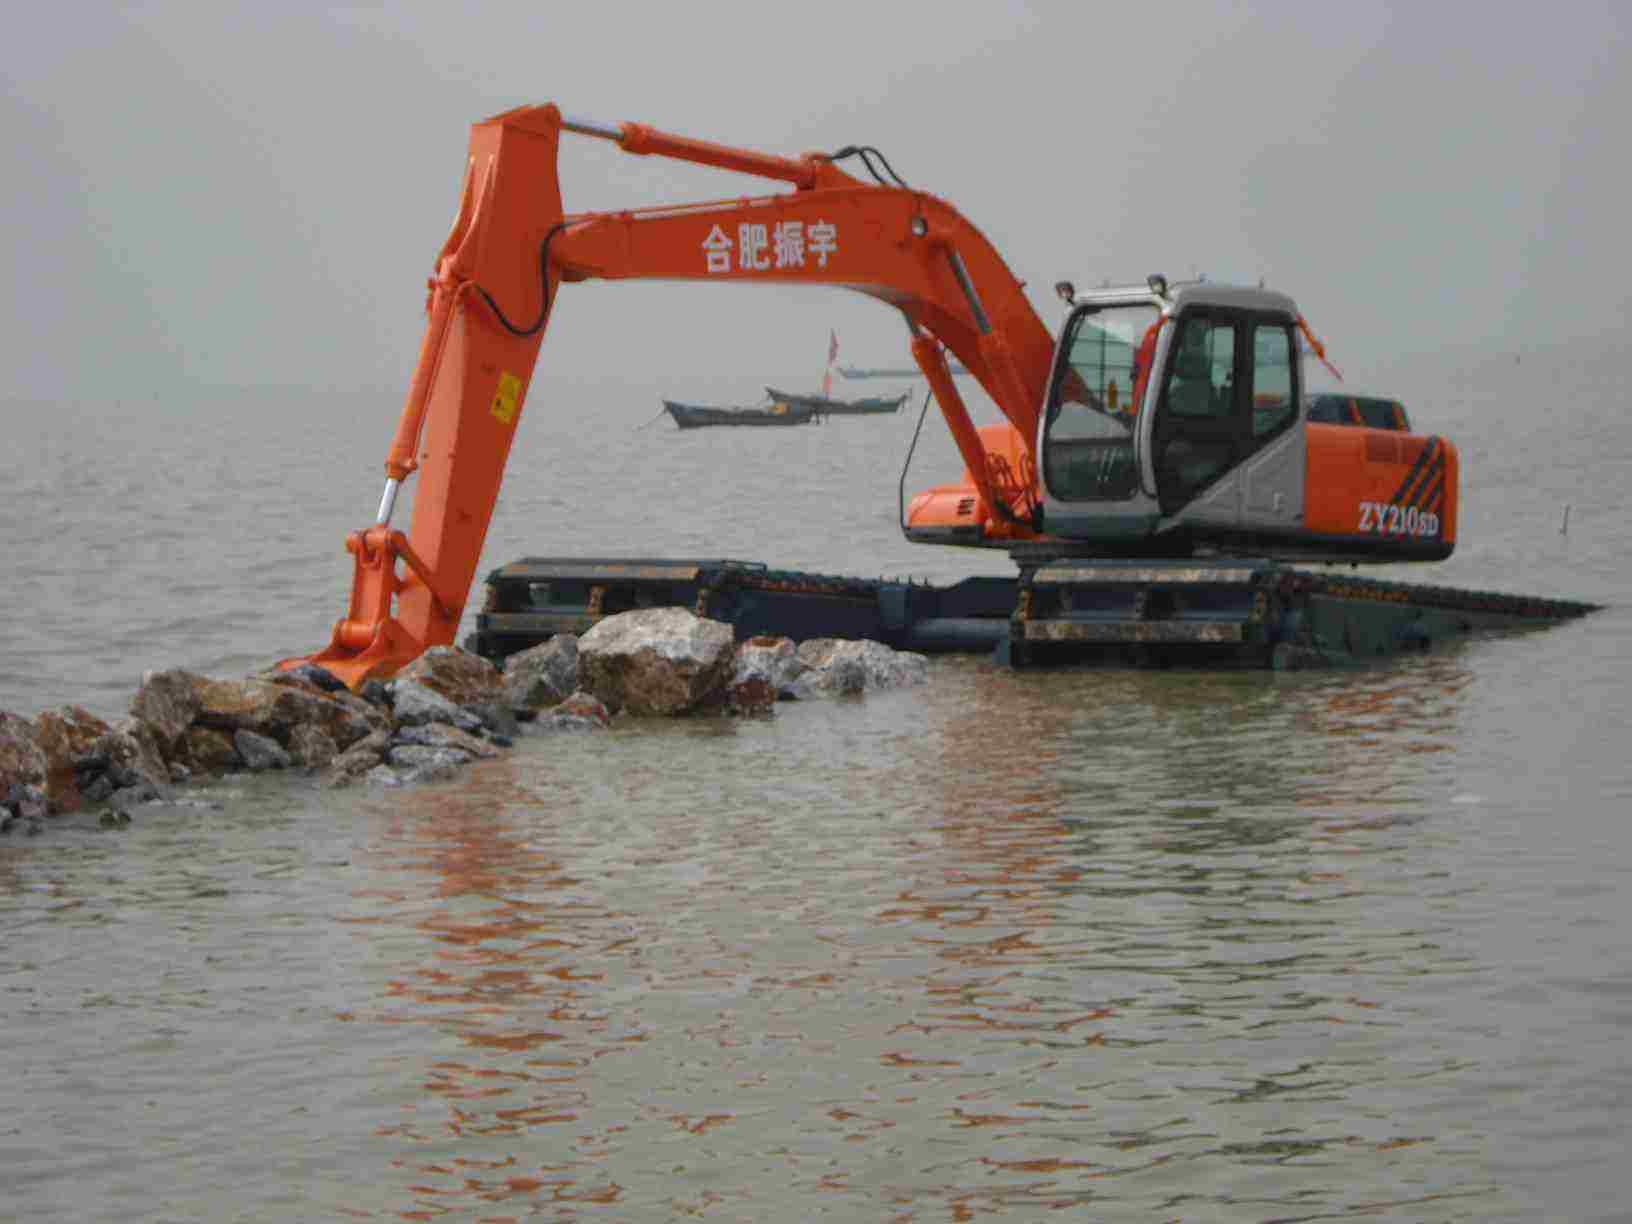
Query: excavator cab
point(1172, 419)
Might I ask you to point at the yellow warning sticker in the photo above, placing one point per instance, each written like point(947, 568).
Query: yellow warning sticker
point(504, 399)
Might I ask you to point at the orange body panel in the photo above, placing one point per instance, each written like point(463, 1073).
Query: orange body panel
point(1380, 483)
point(1010, 473)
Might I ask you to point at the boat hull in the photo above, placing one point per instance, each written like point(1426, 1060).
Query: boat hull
point(877, 405)
point(699, 416)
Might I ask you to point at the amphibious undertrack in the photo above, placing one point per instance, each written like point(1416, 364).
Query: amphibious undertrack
point(1238, 612)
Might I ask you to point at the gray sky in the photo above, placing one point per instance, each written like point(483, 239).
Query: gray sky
point(252, 195)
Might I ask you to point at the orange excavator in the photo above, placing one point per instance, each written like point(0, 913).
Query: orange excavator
point(1163, 421)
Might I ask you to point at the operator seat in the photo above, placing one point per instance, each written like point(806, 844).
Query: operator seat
point(1191, 393)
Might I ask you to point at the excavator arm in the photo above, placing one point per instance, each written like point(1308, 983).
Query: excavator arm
point(494, 287)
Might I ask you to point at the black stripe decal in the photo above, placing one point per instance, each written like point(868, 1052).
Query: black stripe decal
point(1423, 456)
point(1431, 459)
point(1434, 498)
point(1432, 479)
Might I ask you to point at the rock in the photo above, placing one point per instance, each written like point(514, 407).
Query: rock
point(133, 756)
point(318, 677)
point(21, 760)
point(276, 707)
point(579, 712)
point(498, 720)
point(260, 752)
point(312, 747)
point(461, 677)
point(542, 676)
point(206, 750)
point(167, 702)
point(440, 735)
point(26, 802)
point(128, 798)
point(349, 718)
point(662, 661)
point(377, 693)
point(384, 775)
point(356, 761)
point(410, 764)
point(421, 757)
point(67, 737)
point(840, 666)
point(775, 660)
point(97, 790)
point(414, 705)
point(752, 697)
point(835, 675)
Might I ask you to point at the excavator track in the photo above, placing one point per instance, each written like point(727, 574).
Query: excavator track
point(1247, 612)
point(1214, 612)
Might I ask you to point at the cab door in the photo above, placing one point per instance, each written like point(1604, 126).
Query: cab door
point(1196, 436)
point(1229, 390)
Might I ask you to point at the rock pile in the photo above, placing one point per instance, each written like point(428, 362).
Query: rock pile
point(443, 711)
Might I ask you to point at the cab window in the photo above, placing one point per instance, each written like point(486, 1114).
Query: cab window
point(1380, 413)
point(1273, 402)
point(1202, 371)
point(1088, 432)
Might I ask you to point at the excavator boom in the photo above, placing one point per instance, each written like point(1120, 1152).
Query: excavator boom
point(494, 287)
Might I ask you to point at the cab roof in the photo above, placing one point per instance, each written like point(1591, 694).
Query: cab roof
point(1193, 293)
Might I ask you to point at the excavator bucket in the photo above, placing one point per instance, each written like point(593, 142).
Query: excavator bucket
point(489, 302)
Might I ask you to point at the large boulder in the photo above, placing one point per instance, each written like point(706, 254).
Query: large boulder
point(68, 739)
point(661, 661)
point(838, 666)
point(542, 676)
point(461, 677)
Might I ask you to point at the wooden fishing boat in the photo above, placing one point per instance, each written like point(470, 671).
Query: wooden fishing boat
point(778, 412)
point(826, 406)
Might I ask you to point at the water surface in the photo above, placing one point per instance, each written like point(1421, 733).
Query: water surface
point(1079, 944)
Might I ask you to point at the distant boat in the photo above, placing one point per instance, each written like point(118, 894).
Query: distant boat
point(892, 372)
point(696, 416)
point(824, 405)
